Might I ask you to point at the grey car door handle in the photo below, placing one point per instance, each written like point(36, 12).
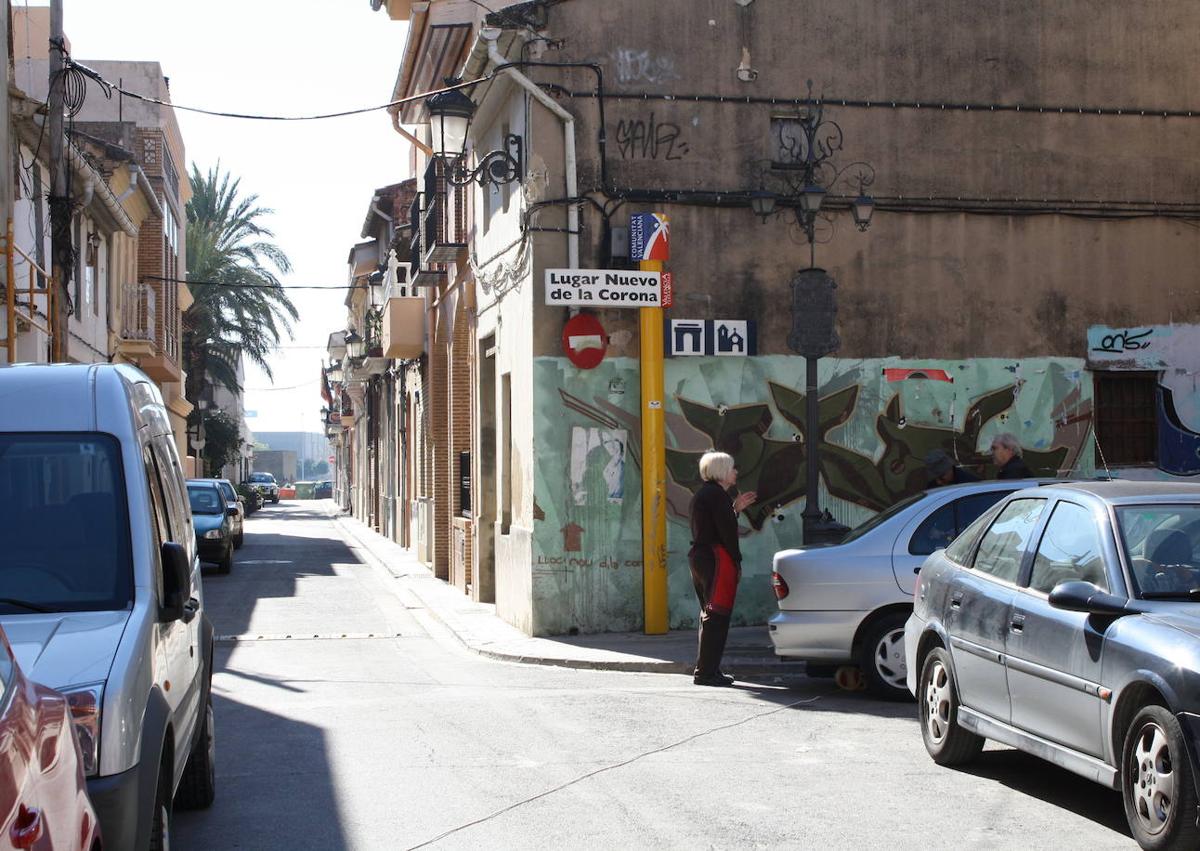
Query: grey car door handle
point(1018, 623)
point(956, 600)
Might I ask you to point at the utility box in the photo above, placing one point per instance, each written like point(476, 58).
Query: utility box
point(403, 333)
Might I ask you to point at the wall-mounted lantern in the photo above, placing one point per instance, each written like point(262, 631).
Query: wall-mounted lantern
point(450, 114)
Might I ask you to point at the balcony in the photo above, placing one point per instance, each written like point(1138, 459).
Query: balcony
point(403, 333)
point(443, 223)
point(139, 321)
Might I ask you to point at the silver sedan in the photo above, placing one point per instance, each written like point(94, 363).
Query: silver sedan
point(846, 604)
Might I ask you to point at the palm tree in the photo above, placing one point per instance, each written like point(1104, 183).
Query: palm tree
point(239, 307)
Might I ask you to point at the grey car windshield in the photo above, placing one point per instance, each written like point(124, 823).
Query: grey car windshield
point(1161, 543)
point(205, 499)
point(64, 524)
point(262, 477)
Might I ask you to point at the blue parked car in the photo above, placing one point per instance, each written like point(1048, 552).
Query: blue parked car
point(212, 518)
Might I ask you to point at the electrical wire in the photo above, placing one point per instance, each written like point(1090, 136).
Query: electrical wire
point(109, 87)
point(330, 287)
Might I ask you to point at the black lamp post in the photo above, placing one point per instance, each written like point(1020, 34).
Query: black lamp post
point(801, 176)
point(450, 114)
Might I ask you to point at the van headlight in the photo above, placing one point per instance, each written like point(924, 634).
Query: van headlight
point(85, 703)
point(213, 534)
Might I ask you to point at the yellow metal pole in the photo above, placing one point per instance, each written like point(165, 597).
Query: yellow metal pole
point(654, 466)
point(10, 291)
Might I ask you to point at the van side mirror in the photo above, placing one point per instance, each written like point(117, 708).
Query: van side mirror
point(231, 511)
point(1080, 596)
point(176, 579)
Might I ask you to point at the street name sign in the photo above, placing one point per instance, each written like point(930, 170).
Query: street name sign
point(603, 288)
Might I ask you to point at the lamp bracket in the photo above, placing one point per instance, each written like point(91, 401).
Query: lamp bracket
point(498, 167)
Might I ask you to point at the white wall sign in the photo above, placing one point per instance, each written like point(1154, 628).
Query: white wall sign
point(720, 337)
point(603, 288)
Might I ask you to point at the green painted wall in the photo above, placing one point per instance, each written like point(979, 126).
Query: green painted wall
point(878, 419)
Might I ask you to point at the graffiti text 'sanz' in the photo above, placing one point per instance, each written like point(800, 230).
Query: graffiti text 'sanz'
point(1128, 340)
point(650, 139)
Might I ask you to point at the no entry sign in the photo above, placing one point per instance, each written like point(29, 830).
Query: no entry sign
point(584, 341)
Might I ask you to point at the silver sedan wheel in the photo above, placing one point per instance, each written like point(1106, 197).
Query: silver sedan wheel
point(938, 695)
point(889, 659)
point(1152, 769)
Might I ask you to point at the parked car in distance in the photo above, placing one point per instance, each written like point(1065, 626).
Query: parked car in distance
point(100, 587)
point(212, 518)
point(265, 484)
point(846, 603)
point(234, 500)
point(1066, 623)
point(43, 793)
point(323, 490)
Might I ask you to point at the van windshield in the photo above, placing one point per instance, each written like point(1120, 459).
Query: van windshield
point(64, 524)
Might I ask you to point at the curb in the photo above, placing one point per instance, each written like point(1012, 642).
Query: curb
point(744, 665)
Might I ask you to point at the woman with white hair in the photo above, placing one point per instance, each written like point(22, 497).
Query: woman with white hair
point(1006, 455)
point(715, 560)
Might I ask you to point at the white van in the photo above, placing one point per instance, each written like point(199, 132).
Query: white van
point(100, 586)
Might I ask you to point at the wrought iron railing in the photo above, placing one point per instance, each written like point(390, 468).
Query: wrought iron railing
point(139, 313)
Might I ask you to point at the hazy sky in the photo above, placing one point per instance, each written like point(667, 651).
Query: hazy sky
point(301, 57)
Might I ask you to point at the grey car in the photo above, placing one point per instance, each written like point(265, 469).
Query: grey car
point(1066, 623)
point(846, 604)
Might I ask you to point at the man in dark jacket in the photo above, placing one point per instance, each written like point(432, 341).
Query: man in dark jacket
point(943, 470)
point(1006, 455)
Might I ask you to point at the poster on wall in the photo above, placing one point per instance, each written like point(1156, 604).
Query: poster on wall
point(598, 463)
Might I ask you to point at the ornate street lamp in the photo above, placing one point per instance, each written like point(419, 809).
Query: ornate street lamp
point(799, 179)
point(356, 346)
point(803, 173)
point(450, 114)
point(334, 372)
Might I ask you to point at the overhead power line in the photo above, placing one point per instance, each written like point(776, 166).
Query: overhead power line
point(330, 287)
point(109, 87)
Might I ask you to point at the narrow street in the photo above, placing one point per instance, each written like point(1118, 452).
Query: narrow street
point(349, 717)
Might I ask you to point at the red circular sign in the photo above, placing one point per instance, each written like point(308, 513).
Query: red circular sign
point(584, 340)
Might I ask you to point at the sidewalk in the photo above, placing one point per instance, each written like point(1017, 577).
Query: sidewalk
point(748, 653)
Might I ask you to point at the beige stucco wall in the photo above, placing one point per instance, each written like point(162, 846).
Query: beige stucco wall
point(916, 284)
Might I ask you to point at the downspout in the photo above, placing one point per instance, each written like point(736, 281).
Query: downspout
point(491, 35)
point(425, 149)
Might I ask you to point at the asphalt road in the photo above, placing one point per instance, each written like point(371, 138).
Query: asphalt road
point(395, 737)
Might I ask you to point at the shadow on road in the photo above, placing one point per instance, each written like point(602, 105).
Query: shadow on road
point(274, 784)
point(272, 563)
point(1029, 775)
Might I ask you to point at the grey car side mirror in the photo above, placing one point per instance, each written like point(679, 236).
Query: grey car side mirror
point(1080, 596)
point(176, 582)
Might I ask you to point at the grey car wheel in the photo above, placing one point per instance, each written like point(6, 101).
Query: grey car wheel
point(1156, 784)
point(882, 658)
point(937, 700)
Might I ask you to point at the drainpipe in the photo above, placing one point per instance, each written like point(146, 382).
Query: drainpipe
point(491, 35)
point(425, 149)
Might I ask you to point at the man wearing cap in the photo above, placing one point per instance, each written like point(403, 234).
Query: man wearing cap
point(943, 470)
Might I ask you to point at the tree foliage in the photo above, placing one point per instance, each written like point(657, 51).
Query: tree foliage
point(222, 436)
point(239, 306)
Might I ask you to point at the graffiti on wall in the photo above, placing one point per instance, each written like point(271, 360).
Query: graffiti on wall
point(598, 455)
point(1173, 352)
point(647, 138)
point(873, 477)
point(877, 420)
point(644, 66)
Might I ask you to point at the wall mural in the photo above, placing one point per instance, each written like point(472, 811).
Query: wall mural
point(878, 418)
